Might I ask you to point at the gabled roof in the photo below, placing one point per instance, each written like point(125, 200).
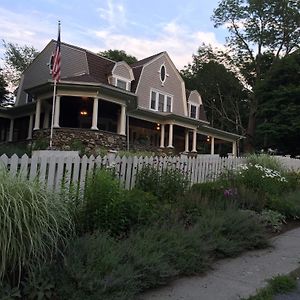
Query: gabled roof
point(145, 60)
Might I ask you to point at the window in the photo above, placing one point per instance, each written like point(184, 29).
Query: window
point(121, 84)
point(161, 102)
point(193, 110)
point(162, 73)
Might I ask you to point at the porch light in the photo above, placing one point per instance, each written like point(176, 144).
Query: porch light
point(83, 113)
point(157, 126)
point(208, 138)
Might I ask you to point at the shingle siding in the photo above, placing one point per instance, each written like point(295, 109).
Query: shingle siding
point(122, 71)
point(150, 78)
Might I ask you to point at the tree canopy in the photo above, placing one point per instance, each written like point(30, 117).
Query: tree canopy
point(279, 96)
point(119, 55)
point(260, 32)
point(16, 60)
point(3, 88)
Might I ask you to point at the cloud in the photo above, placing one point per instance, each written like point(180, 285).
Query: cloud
point(114, 14)
point(179, 41)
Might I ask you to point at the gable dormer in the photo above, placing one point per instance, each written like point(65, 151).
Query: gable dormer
point(121, 76)
point(195, 106)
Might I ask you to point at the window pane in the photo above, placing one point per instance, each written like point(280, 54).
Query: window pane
point(161, 100)
point(121, 84)
point(193, 111)
point(169, 104)
point(153, 100)
point(163, 73)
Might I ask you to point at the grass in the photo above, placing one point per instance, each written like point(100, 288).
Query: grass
point(281, 284)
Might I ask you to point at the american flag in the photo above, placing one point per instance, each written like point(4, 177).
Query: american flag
point(57, 59)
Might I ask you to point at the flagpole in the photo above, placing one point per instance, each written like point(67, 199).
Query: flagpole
point(52, 116)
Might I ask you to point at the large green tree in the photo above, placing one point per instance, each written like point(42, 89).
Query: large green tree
point(119, 55)
point(16, 60)
point(279, 114)
point(260, 32)
point(3, 88)
point(223, 94)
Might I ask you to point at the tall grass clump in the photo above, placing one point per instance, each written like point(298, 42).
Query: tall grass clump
point(35, 226)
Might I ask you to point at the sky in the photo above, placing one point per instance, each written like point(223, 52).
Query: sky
point(141, 28)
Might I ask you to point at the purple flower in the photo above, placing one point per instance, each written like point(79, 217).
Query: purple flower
point(230, 192)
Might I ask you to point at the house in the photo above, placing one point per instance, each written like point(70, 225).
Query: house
point(103, 103)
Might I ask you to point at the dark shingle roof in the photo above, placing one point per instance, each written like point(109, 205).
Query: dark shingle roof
point(81, 78)
point(144, 60)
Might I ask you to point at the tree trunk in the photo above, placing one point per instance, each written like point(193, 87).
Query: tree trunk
point(249, 142)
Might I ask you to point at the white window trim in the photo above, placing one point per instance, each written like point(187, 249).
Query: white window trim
point(157, 92)
point(166, 74)
point(128, 82)
point(197, 105)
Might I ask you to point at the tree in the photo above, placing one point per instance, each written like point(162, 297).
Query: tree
point(3, 89)
point(16, 60)
point(119, 55)
point(223, 94)
point(259, 29)
point(279, 96)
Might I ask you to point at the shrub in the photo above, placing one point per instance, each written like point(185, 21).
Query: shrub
point(272, 219)
point(34, 225)
point(166, 185)
point(266, 161)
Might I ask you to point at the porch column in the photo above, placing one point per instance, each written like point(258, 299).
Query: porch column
point(56, 112)
point(194, 146)
point(29, 134)
point(162, 136)
point(234, 149)
point(37, 115)
point(122, 126)
point(212, 145)
point(170, 136)
point(186, 141)
point(46, 119)
point(11, 130)
point(95, 115)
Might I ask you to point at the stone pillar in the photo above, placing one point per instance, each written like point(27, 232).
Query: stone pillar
point(37, 115)
point(162, 136)
point(186, 140)
point(95, 115)
point(170, 136)
point(234, 149)
point(46, 119)
point(122, 126)
point(11, 130)
point(194, 146)
point(56, 112)
point(29, 134)
point(212, 146)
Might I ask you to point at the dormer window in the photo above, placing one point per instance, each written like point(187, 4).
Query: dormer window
point(193, 110)
point(121, 84)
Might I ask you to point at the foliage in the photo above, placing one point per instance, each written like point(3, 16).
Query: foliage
point(266, 161)
point(3, 88)
point(17, 59)
point(109, 208)
point(77, 145)
point(9, 293)
point(40, 144)
point(167, 185)
point(10, 150)
point(272, 219)
point(259, 33)
point(136, 153)
point(35, 225)
point(97, 266)
point(281, 284)
point(119, 55)
point(278, 117)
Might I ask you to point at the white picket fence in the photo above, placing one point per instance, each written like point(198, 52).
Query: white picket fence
point(60, 169)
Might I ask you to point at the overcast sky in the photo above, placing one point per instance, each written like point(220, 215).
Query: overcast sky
point(141, 28)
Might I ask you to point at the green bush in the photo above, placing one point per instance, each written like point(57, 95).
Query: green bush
point(272, 219)
point(11, 149)
point(35, 225)
point(266, 161)
point(108, 207)
point(166, 185)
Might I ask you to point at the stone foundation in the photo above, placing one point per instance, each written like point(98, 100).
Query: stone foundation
point(84, 140)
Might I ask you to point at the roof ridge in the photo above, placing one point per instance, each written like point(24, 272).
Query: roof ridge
point(145, 60)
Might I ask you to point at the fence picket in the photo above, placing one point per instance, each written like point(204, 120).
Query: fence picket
point(14, 162)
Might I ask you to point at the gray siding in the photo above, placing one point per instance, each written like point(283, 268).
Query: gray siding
point(194, 97)
point(73, 61)
point(150, 78)
point(122, 71)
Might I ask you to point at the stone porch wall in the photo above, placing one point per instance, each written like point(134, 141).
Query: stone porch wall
point(85, 140)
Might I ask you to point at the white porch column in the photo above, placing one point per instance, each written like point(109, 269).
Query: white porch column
point(95, 115)
point(56, 112)
point(122, 126)
point(11, 130)
point(212, 146)
point(37, 115)
point(162, 136)
point(170, 136)
point(46, 119)
point(194, 146)
point(186, 141)
point(234, 149)
point(29, 134)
